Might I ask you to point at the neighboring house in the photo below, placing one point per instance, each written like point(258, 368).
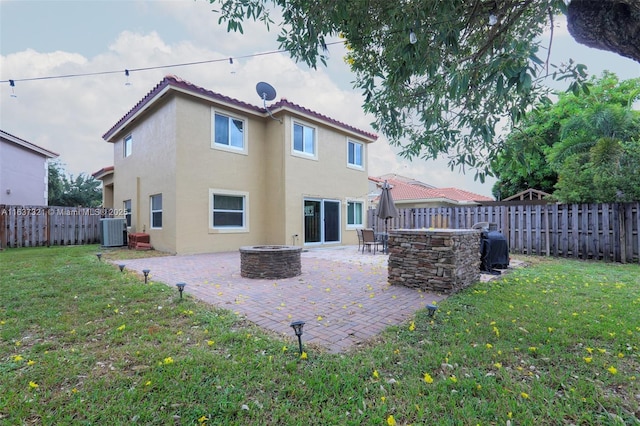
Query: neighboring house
point(202, 172)
point(410, 193)
point(24, 172)
point(105, 174)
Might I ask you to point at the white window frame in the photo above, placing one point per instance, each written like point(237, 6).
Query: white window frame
point(362, 213)
point(127, 212)
point(362, 155)
point(127, 147)
point(228, 147)
point(245, 213)
point(303, 153)
point(152, 211)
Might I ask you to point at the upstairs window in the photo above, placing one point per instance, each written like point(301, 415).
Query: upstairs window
point(304, 139)
point(228, 132)
point(128, 142)
point(355, 155)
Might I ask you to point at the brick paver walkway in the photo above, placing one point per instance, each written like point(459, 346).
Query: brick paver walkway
point(342, 295)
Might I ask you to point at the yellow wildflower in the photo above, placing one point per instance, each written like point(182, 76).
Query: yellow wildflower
point(375, 374)
point(453, 378)
point(497, 365)
point(587, 359)
point(391, 421)
point(17, 358)
point(31, 362)
point(203, 419)
point(489, 345)
point(33, 385)
point(122, 327)
point(210, 342)
point(303, 355)
point(148, 383)
point(412, 326)
point(168, 360)
point(428, 378)
point(524, 395)
point(612, 370)
point(590, 350)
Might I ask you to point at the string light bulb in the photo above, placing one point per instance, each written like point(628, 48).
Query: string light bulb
point(413, 38)
point(13, 88)
point(126, 73)
point(233, 69)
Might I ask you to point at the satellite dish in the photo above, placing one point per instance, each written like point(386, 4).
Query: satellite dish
point(266, 91)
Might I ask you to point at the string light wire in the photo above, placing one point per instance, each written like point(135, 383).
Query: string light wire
point(132, 70)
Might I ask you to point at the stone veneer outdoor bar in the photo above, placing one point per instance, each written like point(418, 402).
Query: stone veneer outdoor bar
point(438, 260)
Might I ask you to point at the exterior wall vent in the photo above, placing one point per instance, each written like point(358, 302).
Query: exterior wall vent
point(112, 232)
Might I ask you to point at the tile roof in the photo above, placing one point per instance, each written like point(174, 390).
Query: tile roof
point(409, 190)
point(176, 83)
point(102, 172)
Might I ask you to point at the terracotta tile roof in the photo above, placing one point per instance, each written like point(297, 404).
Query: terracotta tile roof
point(102, 172)
point(176, 83)
point(409, 190)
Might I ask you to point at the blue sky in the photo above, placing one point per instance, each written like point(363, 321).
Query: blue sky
point(69, 116)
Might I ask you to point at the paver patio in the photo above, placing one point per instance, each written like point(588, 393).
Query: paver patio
point(342, 295)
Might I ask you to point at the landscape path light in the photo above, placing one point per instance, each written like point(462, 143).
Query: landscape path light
point(146, 274)
point(297, 328)
point(121, 266)
point(432, 309)
point(181, 288)
point(99, 255)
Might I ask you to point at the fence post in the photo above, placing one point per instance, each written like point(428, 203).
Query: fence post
point(3, 226)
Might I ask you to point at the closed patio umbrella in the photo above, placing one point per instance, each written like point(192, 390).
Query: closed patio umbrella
point(386, 210)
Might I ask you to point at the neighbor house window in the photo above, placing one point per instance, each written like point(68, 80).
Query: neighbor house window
point(156, 211)
point(128, 142)
point(229, 210)
point(354, 213)
point(304, 139)
point(354, 153)
point(127, 212)
point(228, 132)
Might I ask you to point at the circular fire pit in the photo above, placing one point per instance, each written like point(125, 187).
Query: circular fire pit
point(270, 261)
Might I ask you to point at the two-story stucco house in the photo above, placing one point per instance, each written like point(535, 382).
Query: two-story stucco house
point(202, 172)
point(24, 174)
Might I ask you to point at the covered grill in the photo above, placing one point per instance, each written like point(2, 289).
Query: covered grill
point(494, 249)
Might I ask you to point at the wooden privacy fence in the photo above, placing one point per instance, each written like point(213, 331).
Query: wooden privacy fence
point(32, 226)
point(583, 231)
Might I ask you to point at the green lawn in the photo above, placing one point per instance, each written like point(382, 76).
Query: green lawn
point(555, 343)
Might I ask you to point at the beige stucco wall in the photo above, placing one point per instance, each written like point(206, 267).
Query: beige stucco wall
point(326, 177)
point(149, 170)
point(203, 168)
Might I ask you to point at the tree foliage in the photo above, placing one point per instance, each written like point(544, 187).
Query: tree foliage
point(472, 65)
point(583, 148)
point(68, 191)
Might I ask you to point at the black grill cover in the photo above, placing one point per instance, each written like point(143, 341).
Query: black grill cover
point(494, 251)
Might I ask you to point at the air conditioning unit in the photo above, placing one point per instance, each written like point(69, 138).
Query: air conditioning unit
point(112, 232)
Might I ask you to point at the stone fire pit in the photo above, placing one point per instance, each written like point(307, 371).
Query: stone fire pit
point(270, 261)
